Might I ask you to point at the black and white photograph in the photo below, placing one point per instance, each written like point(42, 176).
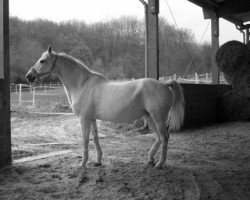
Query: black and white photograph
point(125, 99)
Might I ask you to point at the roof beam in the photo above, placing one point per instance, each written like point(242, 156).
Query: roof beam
point(205, 4)
point(234, 20)
point(232, 7)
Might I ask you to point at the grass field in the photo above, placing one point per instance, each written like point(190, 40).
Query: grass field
point(53, 100)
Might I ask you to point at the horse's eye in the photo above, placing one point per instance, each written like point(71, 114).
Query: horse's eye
point(42, 61)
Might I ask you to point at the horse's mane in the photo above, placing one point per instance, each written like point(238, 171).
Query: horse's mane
point(74, 60)
point(80, 64)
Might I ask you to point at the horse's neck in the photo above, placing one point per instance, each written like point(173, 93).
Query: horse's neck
point(71, 76)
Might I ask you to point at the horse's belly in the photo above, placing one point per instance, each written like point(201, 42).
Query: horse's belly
point(117, 114)
point(121, 117)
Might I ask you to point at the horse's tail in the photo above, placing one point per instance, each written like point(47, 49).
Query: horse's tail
point(176, 113)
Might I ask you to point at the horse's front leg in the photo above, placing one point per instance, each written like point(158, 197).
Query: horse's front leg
point(96, 143)
point(85, 123)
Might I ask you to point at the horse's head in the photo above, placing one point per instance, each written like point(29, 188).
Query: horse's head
point(43, 66)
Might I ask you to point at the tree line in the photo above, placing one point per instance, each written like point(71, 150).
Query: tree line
point(113, 47)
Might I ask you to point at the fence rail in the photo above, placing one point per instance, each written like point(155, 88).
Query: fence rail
point(35, 90)
point(194, 78)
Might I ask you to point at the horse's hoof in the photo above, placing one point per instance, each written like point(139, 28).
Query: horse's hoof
point(158, 166)
point(81, 164)
point(151, 163)
point(96, 164)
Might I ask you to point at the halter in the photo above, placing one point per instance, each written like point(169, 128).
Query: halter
point(40, 76)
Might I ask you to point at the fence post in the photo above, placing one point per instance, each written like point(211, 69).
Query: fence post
point(175, 77)
point(196, 78)
point(206, 78)
point(33, 98)
point(16, 87)
point(45, 89)
point(20, 93)
point(30, 89)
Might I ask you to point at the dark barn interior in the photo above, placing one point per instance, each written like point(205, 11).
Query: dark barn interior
point(205, 102)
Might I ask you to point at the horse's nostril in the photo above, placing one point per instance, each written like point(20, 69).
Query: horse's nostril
point(30, 77)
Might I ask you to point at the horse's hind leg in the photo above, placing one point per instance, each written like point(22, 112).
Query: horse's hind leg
point(96, 143)
point(164, 136)
point(157, 143)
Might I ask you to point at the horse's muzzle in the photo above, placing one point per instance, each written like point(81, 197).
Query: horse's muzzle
point(31, 76)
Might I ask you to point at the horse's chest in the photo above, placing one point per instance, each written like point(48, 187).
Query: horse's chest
point(82, 105)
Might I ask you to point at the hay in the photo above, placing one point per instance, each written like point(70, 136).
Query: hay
point(231, 56)
point(248, 45)
point(234, 107)
point(228, 78)
point(241, 81)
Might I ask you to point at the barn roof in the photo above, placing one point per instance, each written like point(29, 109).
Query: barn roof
point(235, 11)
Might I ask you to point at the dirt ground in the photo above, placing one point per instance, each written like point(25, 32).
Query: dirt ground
point(208, 163)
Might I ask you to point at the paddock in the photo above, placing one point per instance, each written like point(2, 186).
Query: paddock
point(207, 163)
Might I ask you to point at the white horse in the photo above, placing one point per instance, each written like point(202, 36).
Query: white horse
point(92, 96)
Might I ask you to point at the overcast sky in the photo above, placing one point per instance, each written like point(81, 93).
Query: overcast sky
point(186, 14)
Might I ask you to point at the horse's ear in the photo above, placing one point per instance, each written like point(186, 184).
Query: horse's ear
point(49, 49)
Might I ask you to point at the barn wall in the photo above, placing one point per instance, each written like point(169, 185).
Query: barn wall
point(202, 103)
point(5, 137)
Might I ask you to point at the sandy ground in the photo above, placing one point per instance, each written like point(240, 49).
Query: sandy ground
point(208, 163)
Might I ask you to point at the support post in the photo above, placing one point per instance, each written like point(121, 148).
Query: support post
point(5, 136)
point(215, 46)
point(146, 36)
point(153, 39)
point(247, 35)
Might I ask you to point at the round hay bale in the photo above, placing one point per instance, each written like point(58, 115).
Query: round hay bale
point(234, 107)
point(231, 56)
point(248, 45)
point(228, 78)
point(241, 81)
